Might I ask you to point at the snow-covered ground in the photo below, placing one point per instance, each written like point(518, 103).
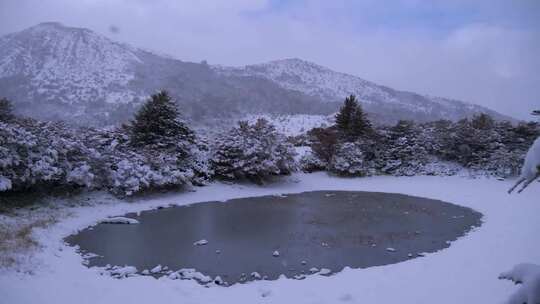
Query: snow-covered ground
point(294, 124)
point(466, 272)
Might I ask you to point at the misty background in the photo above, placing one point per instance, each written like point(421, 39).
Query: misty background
point(484, 52)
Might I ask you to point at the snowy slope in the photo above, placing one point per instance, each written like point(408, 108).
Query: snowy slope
point(331, 86)
point(313, 79)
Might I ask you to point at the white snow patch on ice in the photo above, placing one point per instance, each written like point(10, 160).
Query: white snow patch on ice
point(119, 220)
point(200, 242)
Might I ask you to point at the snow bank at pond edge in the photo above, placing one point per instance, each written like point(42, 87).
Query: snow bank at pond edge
point(464, 273)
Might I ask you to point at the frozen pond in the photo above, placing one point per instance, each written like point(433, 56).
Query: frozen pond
point(273, 235)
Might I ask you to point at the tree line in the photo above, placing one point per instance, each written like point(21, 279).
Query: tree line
point(157, 149)
point(478, 145)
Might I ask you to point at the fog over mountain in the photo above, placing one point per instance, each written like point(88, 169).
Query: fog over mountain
point(52, 71)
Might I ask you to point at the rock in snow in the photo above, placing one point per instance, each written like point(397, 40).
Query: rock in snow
point(119, 220)
point(276, 253)
point(325, 271)
point(528, 275)
point(256, 275)
point(200, 242)
point(191, 273)
point(391, 249)
point(218, 280)
point(156, 269)
point(123, 272)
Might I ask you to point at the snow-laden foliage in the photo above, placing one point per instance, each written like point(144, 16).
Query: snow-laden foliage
point(309, 162)
point(528, 276)
point(350, 160)
point(127, 169)
point(34, 153)
point(252, 151)
point(531, 168)
point(124, 161)
point(480, 146)
point(404, 150)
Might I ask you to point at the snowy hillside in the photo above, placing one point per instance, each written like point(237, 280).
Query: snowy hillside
point(313, 79)
point(293, 125)
point(331, 86)
point(66, 64)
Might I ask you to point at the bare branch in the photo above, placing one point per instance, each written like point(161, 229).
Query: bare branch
point(519, 181)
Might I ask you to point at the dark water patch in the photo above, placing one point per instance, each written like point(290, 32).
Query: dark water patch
point(273, 235)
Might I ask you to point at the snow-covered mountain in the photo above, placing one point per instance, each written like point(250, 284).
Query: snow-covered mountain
point(58, 58)
point(52, 71)
point(331, 86)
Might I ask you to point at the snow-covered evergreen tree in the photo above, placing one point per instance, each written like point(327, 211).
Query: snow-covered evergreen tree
point(158, 124)
point(405, 150)
point(253, 152)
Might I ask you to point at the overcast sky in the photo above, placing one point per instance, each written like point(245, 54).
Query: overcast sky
point(483, 51)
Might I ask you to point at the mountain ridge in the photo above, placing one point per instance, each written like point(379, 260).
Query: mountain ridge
point(52, 71)
point(332, 86)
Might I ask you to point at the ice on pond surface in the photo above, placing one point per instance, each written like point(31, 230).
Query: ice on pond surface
point(269, 236)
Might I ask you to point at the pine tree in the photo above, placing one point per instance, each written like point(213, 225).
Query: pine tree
point(6, 110)
point(351, 121)
point(158, 123)
point(361, 125)
point(345, 115)
point(483, 121)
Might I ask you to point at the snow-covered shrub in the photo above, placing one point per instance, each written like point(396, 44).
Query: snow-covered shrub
point(309, 162)
point(350, 160)
point(34, 153)
point(403, 150)
point(124, 160)
point(482, 145)
point(252, 151)
point(127, 169)
point(324, 142)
